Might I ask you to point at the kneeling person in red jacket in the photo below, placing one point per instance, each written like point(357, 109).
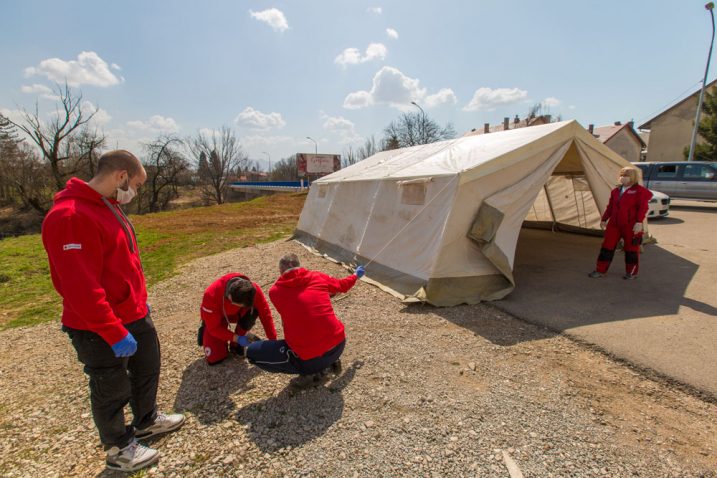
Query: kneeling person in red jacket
point(232, 299)
point(313, 336)
point(623, 219)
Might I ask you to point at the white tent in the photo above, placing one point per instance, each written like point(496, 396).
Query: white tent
point(440, 222)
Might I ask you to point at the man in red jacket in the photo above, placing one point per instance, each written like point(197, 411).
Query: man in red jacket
point(232, 299)
point(623, 219)
point(96, 268)
point(313, 336)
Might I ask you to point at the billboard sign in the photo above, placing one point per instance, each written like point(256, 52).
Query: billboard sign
point(317, 164)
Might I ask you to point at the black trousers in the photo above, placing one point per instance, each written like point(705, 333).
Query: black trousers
point(275, 356)
point(115, 382)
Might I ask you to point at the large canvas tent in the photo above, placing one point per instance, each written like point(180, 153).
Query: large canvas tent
point(440, 222)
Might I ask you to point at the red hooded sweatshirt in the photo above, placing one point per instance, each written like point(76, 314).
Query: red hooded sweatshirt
point(302, 299)
point(630, 208)
point(94, 262)
point(217, 311)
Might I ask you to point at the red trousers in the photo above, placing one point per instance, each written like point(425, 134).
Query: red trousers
point(613, 234)
point(216, 350)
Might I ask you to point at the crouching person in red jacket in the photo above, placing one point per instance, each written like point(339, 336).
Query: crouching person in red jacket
point(314, 337)
point(623, 219)
point(232, 299)
point(96, 267)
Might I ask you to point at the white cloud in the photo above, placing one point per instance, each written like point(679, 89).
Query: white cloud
point(88, 69)
point(115, 66)
point(344, 128)
point(393, 88)
point(155, 124)
point(273, 17)
point(444, 96)
point(255, 119)
point(392, 33)
point(488, 98)
point(16, 116)
point(101, 117)
point(42, 90)
point(375, 10)
point(352, 56)
point(551, 102)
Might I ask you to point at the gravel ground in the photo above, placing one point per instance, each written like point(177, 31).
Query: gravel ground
point(425, 392)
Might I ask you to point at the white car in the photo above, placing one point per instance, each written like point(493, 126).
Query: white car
point(659, 205)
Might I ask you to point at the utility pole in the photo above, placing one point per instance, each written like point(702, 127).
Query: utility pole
point(710, 6)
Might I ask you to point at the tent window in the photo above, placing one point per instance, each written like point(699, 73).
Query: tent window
point(413, 194)
point(322, 190)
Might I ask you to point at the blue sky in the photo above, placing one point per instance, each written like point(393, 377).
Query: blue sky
point(340, 71)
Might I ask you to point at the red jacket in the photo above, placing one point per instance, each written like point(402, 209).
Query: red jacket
point(629, 209)
point(94, 262)
point(302, 299)
point(218, 312)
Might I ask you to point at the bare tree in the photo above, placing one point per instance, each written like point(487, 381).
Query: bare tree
point(353, 156)
point(411, 129)
point(165, 165)
point(51, 136)
point(219, 158)
point(285, 170)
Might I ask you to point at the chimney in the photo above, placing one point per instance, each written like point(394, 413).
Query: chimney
point(591, 128)
point(516, 120)
point(486, 127)
point(473, 130)
point(547, 118)
point(617, 123)
point(632, 124)
point(506, 123)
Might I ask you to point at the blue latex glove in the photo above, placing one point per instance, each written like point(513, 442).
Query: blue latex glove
point(360, 271)
point(243, 340)
point(125, 347)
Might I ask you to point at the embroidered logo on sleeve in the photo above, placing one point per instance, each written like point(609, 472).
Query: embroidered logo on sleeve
point(71, 246)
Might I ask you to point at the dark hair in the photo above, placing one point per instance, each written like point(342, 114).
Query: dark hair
point(289, 261)
point(241, 291)
point(118, 160)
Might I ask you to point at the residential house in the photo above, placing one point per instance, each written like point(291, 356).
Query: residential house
point(621, 138)
point(507, 124)
point(671, 130)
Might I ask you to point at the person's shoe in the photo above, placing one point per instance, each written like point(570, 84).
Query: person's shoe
point(336, 367)
point(596, 275)
point(131, 458)
point(306, 381)
point(162, 424)
point(237, 350)
point(629, 276)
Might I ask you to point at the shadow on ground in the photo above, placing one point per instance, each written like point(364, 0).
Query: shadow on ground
point(553, 290)
point(293, 418)
point(205, 390)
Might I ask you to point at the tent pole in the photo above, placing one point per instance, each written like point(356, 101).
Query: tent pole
point(550, 205)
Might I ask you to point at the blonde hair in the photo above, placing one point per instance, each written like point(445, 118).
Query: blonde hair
point(631, 172)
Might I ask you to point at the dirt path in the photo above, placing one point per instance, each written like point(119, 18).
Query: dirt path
point(425, 392)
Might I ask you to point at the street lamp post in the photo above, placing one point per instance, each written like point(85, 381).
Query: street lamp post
point(268, 156)
point(710, 6)
point(423, 122)
point(316, 145)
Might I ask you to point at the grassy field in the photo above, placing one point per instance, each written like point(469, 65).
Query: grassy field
point(166, 240)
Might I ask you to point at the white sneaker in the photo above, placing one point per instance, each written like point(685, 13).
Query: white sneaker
point(133, 457)
point(162, 424)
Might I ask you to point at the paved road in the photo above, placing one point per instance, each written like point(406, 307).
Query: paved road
point(666, 320)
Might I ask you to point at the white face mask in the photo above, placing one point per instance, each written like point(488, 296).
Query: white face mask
point(125, 196)
point(625, 180)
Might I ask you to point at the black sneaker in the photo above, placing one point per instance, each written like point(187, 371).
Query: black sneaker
point(336, 367)
point(596, 275)
point(238, 350)
point(629, 276)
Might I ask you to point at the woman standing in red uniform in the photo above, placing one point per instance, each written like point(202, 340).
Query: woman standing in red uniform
point(623, 219)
